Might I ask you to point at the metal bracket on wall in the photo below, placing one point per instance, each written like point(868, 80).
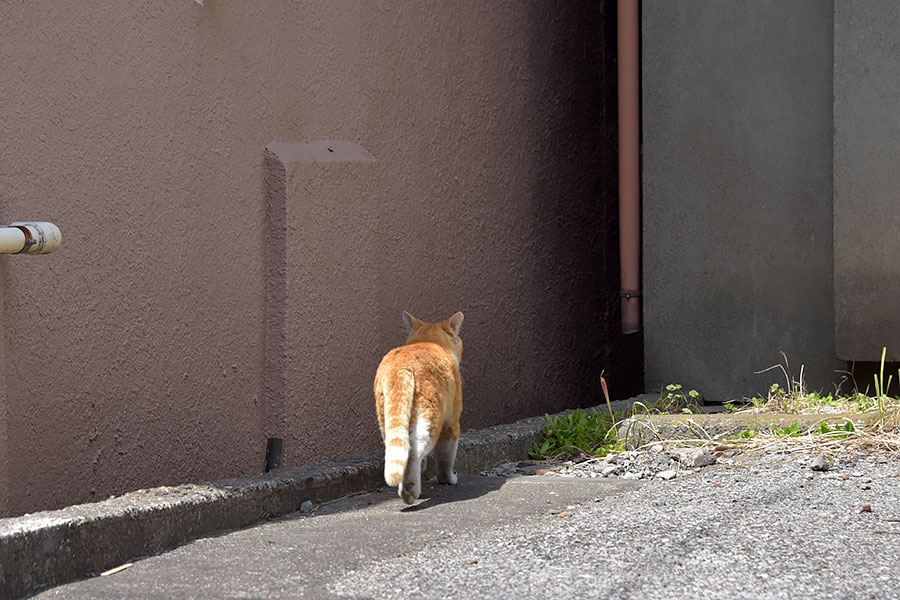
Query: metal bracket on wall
point(274, 450)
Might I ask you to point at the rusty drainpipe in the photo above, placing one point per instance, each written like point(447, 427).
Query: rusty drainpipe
point(629, 163)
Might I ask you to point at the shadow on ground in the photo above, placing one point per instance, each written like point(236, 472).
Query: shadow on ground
point(470, 487)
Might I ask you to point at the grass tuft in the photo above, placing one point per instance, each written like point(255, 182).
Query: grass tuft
point(594, 434)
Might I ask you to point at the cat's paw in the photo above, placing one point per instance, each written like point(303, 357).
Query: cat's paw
point(407, 497)
point(451, 480)
point(409, 493)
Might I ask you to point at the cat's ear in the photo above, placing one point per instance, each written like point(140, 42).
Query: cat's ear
point(455, 323)
point(411, 321)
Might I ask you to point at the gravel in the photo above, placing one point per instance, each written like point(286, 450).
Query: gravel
point(633, 464)
point(766, 526)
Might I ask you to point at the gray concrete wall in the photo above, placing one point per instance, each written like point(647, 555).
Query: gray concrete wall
point(866, 179)
point(737, 176)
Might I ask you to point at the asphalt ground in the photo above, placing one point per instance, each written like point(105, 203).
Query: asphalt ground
point(303, 554)
point(765, 527)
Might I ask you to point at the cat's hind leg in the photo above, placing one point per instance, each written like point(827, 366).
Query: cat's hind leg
point(420, 445)
point(411, 487)
point(445, 454)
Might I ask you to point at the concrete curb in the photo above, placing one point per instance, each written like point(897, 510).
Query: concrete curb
point(53, 547)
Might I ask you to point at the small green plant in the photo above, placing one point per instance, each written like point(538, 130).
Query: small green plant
point(881, 388)
point(792, 431)
point(674, 399)
point(730, 407)
point(577, 433)
point(743, 435)
point(863, 402)
point(838, 431)
point(814, 399)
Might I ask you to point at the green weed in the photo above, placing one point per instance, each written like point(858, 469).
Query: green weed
point(743, 435)
point(577, 433)
point(840, 432)
point(792, 431)
point(794, 398)
point(594, 433)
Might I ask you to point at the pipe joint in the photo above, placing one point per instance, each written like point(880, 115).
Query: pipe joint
point(29, 237)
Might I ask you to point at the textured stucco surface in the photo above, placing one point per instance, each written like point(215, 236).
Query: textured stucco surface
point(137, 354)
point(498, 218)
point(866, 179)
point(737, 119)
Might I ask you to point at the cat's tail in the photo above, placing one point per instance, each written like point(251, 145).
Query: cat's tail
point(398, 401)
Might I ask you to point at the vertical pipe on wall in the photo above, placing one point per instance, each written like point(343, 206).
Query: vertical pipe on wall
point(629, 163)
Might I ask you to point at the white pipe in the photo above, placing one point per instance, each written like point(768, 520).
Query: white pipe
point(12, 240)
point(32, 237)
point(43, 237)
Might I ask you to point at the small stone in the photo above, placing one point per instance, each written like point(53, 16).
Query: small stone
point(856, 474)
point(306, 506)
point(667, 475)
point(822, 462)
point(657, 448)
point(704, 459)
point(810, 476)
point(866, 508)
point(631, 475)
point(611, 470)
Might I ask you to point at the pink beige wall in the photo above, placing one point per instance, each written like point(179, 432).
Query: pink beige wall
point(199, 303)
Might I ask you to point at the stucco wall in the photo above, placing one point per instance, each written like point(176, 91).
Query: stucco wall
point(136, 355)
point(737, 123)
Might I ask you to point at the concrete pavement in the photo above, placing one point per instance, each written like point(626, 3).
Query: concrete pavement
point(300, 555)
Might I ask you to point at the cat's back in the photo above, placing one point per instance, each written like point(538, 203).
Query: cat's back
point(421, 359)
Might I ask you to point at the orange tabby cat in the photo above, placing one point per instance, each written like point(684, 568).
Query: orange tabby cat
point(418, 397)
